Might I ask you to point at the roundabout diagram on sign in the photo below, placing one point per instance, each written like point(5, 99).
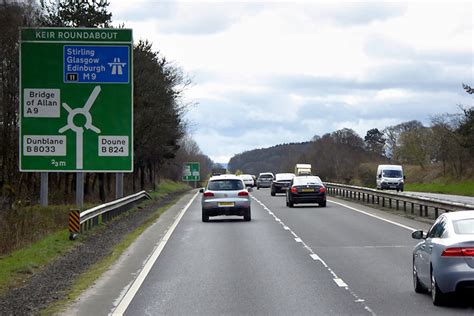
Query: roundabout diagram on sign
point(79, 130)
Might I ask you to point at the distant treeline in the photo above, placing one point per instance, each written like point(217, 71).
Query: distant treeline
point(160, 141)
point(343, 155)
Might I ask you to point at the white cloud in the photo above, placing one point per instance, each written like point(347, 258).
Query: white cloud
point(270, 73)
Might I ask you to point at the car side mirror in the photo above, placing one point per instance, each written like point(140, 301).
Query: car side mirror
point(380, 176)
point(417, 234)
point(249, 189)
point(201, 190)
point(404, 177)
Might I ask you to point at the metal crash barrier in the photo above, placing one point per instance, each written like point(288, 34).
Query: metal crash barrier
point(421, 206)
point(85, 220)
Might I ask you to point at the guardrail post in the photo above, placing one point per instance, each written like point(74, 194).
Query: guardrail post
point(378, 200)
point(397, 204)
point(436, 212)
point(421, 210)
point(426, 211)
point(383, 201)
point(74, 224)
point(390, 203)
point(373, 199)
point(413, 208)
point(405, 206)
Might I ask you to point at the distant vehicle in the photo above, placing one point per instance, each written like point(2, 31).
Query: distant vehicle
point(248, 180)
point(264, 180)
point(303, 169)
point(281, 183)
point(443, 261)
point(225, 195)
point(390, 177)
point(306, 189)
point(218, 171)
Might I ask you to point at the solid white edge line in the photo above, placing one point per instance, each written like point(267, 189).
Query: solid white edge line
point(132, 291)
point(374, 216)
point(340, 282)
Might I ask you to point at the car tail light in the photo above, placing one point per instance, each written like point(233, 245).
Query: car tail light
point(293, 190)
point(322, 189)
point(207, 194)
point(243, 193)
point(458, 252)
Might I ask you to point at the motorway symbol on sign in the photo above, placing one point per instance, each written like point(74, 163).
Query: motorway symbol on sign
point(76, 98)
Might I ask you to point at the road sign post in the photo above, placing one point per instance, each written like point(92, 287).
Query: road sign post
point(191, 172)
point(76, 97)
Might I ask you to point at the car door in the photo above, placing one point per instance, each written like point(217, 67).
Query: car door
point(426, 249)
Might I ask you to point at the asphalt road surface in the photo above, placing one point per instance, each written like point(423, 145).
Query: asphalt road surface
point(345, 259)
point(339, 260)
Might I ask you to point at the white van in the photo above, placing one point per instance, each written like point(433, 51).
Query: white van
point(390, 177)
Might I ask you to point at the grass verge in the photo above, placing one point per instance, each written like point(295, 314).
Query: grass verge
point(19, 265)
point(457, 188)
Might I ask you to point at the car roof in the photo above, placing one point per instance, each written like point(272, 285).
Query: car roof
point(459, 215)
point(285, 175)
point(225, 177)
point(303, 178)
point(265, 174)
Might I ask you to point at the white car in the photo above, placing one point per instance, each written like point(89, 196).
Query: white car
point(248, 180)
point(225, 195)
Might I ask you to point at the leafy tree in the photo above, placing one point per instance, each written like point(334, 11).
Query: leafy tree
point(375, 141)
point(72, 13)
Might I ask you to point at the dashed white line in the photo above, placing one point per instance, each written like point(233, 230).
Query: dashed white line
point(315, 257)
point(340, 282)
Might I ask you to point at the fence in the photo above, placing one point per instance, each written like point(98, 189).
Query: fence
point(422, 206)
point(85, 220)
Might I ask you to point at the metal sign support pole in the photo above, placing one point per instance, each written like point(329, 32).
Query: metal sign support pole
point(44, 189)
point(119, 185)
point(80, 189)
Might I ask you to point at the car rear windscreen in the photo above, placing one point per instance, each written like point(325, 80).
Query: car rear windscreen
point(464, 226)
point(307, 180)
point(225, 185)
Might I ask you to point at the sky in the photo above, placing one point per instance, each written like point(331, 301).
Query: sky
point(266, 73)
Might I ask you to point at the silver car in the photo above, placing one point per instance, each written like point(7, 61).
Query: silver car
point(225, 195)
point(443, 262)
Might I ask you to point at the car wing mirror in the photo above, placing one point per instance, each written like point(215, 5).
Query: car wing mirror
point(404, 177)
point(380, 176)
point(201, 190)
point(417, 234)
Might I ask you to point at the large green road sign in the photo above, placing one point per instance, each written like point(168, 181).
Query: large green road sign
point(191, 171)
point(76, 100)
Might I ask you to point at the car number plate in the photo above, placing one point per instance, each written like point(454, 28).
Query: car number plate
point(225, 204)
point(307, 190)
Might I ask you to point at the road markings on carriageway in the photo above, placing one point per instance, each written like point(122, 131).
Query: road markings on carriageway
point(132, 291)
point(340, 282)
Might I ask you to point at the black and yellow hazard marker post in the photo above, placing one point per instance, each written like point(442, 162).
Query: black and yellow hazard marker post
point(74, 224)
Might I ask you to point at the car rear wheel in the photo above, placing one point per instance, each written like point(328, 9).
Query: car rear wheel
point(205, 217)
point(322, 204)
point(272, 193)
point(438, 297)
point(247, 215)
point(419, 288)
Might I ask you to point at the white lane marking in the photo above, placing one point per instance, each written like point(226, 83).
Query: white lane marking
point(132, 291)
point(315, 257)
point(340, 282)
point(374, 216)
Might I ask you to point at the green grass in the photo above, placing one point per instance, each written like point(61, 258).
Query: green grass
point(22, 263)
point(457, 188)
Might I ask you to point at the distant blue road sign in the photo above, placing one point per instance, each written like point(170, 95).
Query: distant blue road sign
point(96, 64)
